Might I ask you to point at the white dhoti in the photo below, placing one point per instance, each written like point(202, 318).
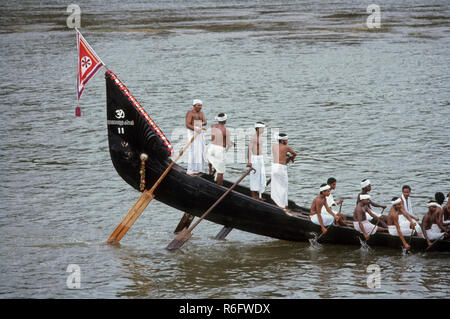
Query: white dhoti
point(216, 156)
point(369, 218)
point(404, 224)
point(258, 177)
point(196, 154)
point(279, 185)
point(434, 232)
point(368, 227)
point(406, 231)
point(327, 219)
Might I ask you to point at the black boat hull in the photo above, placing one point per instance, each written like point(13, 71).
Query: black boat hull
point(195, 195)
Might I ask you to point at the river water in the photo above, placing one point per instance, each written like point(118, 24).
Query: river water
point(356, 103)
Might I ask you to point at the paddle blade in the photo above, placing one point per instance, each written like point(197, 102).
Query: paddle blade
point(180, 239)
point(129, 219)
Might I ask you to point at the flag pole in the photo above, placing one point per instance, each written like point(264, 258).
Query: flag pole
point(81, 82)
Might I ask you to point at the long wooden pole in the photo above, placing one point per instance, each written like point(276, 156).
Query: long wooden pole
point(185, 234)
point(143, 201)
point(434, 242)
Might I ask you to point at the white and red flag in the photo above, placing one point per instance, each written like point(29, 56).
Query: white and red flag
point(89, 64)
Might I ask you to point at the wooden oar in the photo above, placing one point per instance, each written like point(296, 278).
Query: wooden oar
point(185, 221)
point(146, 197)
point(340, 207)
point(185, 234)
point(226, 230)
point(439, 238)
point(378, 220)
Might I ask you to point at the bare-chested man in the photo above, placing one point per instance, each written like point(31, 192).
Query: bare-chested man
point(440, 219)
point(366, 187)
point(446, 213)
point(430, 228)
point(317, 214)
point(195, 120)
point(256, 160)
point(395, 228)
point(220, 141)
point(279, 186)
point(361, 223)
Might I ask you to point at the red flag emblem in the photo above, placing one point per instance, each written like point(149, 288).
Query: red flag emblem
point(88, 63)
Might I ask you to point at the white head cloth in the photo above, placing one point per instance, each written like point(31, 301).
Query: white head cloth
point(221, 118)
point(397, 201)
point(197, 102)
point(365, 183)
point(433, 204)
point(324, 188)
point(283, 138)
point(259, 124)
point(364, 196)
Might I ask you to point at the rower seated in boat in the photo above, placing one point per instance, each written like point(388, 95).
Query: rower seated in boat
point(395, 228)
point(407, 210)
point(440, 219)
point(366, 187)
point(361, 223)
point(430, 227)
point(446, 213)
point(317, 214)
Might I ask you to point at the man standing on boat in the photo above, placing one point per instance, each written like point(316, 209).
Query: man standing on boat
point(256, 160)
point(279, 186)
point(360, 222)
point(395, 228)
point(195, 121)
point(321, 213)
point(220, 141)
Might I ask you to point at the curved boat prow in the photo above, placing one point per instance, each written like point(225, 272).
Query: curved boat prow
point(131, 132)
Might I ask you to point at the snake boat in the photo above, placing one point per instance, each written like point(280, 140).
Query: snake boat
point(131, 132)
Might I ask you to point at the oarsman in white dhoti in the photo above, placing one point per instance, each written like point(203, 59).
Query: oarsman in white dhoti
point(440, 219)
point(446, 213)
point(195, 120)
point(332, 182)
point(361, 223)
point(279, 184)
point(366, 187)
point(220, 141)
point(395, 228)
point(430, 228)
point(320, 212)
point(407, 210)
point(256, 160)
